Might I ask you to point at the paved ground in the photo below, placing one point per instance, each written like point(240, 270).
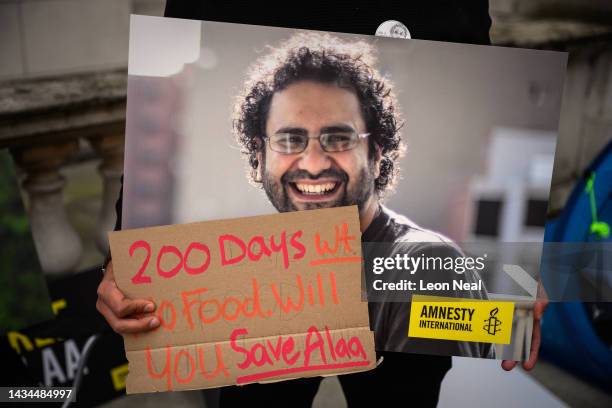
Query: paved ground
point(573, 391)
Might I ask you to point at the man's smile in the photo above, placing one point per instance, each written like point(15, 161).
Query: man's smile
point(315, 190)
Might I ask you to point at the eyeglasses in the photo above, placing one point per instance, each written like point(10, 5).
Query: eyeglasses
point(331, 142)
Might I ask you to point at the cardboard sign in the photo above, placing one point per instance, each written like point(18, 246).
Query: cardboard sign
point(246, 300)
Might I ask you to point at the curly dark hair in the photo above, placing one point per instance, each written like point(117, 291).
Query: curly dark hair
point(326, 59)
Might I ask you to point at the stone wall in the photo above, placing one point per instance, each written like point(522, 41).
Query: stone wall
point(52, 37)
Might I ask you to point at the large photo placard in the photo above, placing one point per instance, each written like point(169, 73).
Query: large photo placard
point(439, 145)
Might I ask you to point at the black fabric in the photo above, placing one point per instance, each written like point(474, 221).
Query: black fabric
point(400, 380)
point(118, 212)
point(118, 207)
point(15, 372)
point(440, 20)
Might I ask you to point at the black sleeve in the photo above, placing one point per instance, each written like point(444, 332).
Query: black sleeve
point(118, 208)
point(479, 21)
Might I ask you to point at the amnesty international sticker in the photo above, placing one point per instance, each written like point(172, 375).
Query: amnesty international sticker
point(484, 321)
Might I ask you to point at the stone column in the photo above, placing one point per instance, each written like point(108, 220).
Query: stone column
point(110, 149)
point(57, 243)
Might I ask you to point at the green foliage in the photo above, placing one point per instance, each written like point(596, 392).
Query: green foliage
point(24, 299)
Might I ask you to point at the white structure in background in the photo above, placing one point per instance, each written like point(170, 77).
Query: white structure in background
point(505, 201)
point(161, 46)
point(508, 204)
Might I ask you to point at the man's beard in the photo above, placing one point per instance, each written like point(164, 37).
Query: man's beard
point(362, 190)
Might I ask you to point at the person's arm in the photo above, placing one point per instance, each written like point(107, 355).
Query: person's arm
point(124, 315)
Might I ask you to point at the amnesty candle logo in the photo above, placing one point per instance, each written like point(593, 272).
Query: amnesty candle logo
point(434, 317)
point(492, 323)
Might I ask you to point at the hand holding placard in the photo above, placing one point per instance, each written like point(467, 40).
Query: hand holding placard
point(124, 315)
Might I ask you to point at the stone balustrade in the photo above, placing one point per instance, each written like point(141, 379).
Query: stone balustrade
point(45, 122)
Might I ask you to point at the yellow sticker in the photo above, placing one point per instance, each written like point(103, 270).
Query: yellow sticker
point(118, 375)
point(483, 321)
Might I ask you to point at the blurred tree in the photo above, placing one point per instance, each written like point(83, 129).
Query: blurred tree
point(24, 299)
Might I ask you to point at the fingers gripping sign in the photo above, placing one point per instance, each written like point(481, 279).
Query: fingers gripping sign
point(539, 307)
point(123, 314)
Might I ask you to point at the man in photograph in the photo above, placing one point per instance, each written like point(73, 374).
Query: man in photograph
point(319, 127)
